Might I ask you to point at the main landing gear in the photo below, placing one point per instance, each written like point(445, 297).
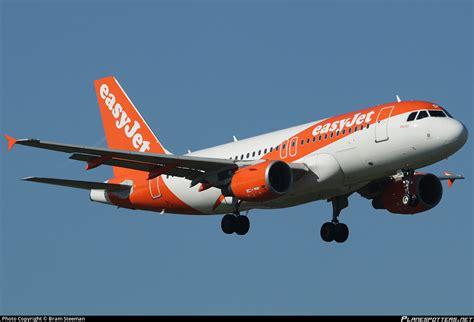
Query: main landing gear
point(235, 223)
point(336, 230)
point(408, 199)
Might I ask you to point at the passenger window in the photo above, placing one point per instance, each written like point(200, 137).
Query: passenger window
point(307, 141)
point(355, 129)
point(284, 146)
point(253, 153)
point(350, 130)
point(271, 149)
point(265, 151)
point(319, 139)
point(293, 144)
point(242, 157)
point(422, 115)
point(276, 149)
point(368, 125)
point(437, 114)
point(343, 131)
point(325, 136)
point(259, 152)
point(302, 142)
point(248, 155)
point(332, 134)
point(337, 133)
point(412, 116)
point(236, 157)
point(314, 138)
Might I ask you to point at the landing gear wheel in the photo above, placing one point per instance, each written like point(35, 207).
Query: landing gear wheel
point(341, 232)
point(414, 200)
point(242, 225)
point(410, 200)
point(229, 224)
point(327, 232)
point(406, 199)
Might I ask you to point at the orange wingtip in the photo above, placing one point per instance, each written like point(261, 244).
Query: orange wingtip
point(11, 141)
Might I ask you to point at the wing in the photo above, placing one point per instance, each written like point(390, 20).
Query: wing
point(196, 169)
point(188, 167)
point(88, 185)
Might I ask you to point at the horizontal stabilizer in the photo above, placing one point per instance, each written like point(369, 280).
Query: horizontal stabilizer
point(88, 185)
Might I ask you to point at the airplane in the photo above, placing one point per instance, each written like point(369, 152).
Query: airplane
point(374, 152)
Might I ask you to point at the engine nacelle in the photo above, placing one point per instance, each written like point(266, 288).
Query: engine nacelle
point(426, 187)
point(260, 182)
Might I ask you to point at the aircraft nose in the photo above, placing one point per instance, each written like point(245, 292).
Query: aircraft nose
point(456, 134)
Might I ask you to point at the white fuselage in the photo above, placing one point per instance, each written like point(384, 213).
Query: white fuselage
point(341, 167)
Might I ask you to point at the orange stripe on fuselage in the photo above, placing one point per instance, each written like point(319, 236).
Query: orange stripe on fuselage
point(141, 197)
point(218, 202)
point(308, 148)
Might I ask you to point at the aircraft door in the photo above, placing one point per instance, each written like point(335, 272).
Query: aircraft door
point(154, 187)
point(381, 126)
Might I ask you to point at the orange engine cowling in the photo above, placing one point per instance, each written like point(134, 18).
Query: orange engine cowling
point(426, 187)
point(260, 182)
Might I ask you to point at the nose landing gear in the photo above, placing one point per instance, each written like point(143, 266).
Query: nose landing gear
point(409, 199)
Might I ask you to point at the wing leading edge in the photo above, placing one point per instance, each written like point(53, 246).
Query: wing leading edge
point(88, 185)
point(156, 164)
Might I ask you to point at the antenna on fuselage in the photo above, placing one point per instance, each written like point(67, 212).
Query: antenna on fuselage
point(398, 98)
point(235, 139)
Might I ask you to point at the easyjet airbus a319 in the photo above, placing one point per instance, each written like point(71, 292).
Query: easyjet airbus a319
point(374, 152)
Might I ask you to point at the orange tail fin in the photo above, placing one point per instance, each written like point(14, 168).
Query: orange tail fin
point(125, 128)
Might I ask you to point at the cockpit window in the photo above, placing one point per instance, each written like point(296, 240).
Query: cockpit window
point(411, 117)
point(447, 113)
point(422, 115)
point(437, 113)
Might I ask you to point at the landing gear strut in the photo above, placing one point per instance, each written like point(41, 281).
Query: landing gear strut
point(235, 223)
point(408, 199)
point(336, 230)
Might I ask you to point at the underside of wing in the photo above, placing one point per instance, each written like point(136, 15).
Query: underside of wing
point(88, 185)
point(152, 168)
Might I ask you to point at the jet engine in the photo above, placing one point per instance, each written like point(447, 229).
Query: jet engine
point(260, 182)
point(426, 187)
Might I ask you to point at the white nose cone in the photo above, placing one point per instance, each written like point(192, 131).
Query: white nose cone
point(455, 134)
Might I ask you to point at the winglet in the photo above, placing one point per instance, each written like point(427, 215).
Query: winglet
point(450, 182)
point(451, 178)
point(11, 141)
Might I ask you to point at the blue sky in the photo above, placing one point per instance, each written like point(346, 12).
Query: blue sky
point(201, 72)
